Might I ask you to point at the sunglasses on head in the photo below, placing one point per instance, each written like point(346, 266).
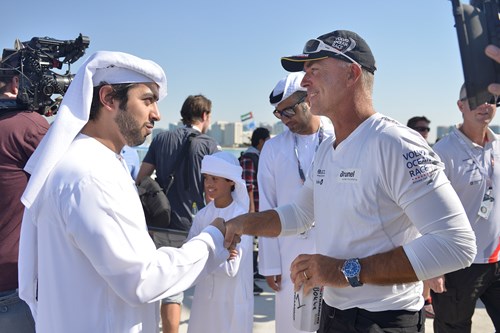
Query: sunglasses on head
point(288, 112)
point(316, 45)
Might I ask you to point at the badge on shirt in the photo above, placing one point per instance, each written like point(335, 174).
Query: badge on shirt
point(486, 204)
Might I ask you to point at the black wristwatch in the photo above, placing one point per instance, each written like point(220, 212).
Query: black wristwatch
point(351, 270)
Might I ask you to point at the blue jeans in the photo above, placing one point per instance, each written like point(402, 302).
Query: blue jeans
point(15, 314)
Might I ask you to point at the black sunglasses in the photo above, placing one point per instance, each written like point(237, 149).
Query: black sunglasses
point(493, 101)
point(422, 129)
point(288, 112)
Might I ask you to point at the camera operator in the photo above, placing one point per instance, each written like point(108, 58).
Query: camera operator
point(20, 133)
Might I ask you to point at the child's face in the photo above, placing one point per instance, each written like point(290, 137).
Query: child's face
point(217, 188)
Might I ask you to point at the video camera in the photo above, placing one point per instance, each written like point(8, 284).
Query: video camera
point(477, 25)
point(32, 61)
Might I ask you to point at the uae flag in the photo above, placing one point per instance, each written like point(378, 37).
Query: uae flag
point(246, 116)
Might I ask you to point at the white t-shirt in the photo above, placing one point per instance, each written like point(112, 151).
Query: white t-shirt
point(461, 157)
point(374, 192)
point(85, 245)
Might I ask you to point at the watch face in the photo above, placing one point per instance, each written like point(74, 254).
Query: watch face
point(352, 268)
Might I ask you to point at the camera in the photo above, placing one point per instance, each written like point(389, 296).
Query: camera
point(477, 25)
point(33, 61)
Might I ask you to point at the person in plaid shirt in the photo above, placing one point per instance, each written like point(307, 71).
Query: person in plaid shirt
point(249, 161)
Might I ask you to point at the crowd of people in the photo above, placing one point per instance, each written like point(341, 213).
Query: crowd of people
point(346, 198)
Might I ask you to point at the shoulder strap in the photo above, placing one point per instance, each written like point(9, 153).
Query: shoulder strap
point(183, 154)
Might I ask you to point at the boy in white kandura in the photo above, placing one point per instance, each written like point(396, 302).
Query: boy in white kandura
point(223, 301)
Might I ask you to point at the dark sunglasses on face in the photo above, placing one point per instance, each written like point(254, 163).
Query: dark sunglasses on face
point(493, 101)
point(288, 112)
point(422, 129)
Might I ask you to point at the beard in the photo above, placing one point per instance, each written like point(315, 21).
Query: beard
point(130, 128)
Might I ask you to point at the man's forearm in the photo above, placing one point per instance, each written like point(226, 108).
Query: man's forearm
point(387, 268)
point(266, 223)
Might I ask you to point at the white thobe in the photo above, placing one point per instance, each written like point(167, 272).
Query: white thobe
point(279, 181)
point(85, 245)
point(223, 300)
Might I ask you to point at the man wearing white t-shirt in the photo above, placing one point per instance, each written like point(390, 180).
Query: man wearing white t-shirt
point(285, 162)
point(469, 153)
point(386, 216)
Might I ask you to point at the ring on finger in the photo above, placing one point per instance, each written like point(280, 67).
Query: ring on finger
point(305, 275)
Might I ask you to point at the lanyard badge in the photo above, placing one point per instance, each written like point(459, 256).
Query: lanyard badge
point(486, 204)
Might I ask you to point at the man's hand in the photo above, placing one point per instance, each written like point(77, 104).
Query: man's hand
point(315, 270)
point(274, 282)
point(219, 224)
point(494, 53)
point(234, 230)
point(437, 284)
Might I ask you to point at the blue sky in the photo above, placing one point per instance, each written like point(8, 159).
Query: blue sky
point(230, 50)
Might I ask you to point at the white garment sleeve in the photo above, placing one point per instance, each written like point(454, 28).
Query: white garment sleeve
point(196, 226)
point(269, 247)
point(122, 252)
point(28, 256)
point(448, 242)
point(298, 216)
point(231, 267)
point(413, 177)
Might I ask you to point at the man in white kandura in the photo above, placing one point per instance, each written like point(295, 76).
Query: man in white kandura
point(285, 162)
point(87, 262)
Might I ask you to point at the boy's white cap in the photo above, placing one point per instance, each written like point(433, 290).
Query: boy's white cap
point(226, 165)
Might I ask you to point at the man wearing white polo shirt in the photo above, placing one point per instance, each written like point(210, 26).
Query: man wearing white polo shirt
point(469, 153)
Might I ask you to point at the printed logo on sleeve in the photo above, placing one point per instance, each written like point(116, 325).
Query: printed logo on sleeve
point(421, 164)
point(348, 175)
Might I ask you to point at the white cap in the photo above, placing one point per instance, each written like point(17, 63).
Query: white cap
point(73, 114)
point(226, 165)
point(286, 87)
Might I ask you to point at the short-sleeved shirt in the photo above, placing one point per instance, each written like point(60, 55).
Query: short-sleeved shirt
point(20, 134)
point(472, 170)
point(164, 151)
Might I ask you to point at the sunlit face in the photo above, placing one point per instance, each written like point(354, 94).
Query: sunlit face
point(482, 115)
point(325, 83)
point(218, 188)
point(136, 121)
point(299, 122)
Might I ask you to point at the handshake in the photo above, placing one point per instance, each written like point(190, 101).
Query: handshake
point(231, 238)
point(265, 223)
